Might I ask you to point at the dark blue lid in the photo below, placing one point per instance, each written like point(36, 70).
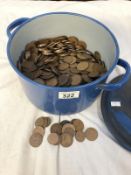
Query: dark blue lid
point(116, 111)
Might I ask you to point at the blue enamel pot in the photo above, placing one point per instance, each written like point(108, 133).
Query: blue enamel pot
point(65, 100)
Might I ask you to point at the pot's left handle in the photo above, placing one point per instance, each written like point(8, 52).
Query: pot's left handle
point(15, 24)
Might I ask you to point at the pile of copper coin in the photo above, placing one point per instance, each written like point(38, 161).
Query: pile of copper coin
point(60, 61)
point(62, 133)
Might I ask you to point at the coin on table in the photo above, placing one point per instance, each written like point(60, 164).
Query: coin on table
point(69, 131)
point(62, 123)
point(36, 139)
point(91, 134)
point(68, 125)
point(80, 136)
point(53, 138)
point(52, 82)
point(66, 140)
point(75, 79)
point(69, 59)
point(82, 65)
point(39, 130)
point(56, 128)
point(78, 124)
point(43, 122)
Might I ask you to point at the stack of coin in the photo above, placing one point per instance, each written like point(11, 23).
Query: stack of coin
point(63, 133)
point(38, 132)
point(60, 61)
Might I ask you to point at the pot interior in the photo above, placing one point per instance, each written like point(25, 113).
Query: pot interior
point(94, 34)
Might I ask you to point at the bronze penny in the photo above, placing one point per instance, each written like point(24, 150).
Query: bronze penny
point(80, 136)
point(63, 66)
point(91, 134)
point(70, 59)
point(66, 140)
point(75, 79)
point(53, 138)
point(39, 80)
point(82, 65)
point(52, 82)
point(68, 125)
point(97, 55)
point(63, 79)
point(86, 78)
point(83, 56)
point(56, 128)
point(39, 130)
point(69, 131)
point(43, 122)
point(83, 44)
point(73, 39)
point(93, 74)
point(35, 139)
point(73, 65)
point(78, 124)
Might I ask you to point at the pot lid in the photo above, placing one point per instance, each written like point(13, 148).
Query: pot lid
point(116, 111)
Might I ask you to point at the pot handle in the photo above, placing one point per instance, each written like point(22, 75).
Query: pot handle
point(113, 86)
point(15, 24)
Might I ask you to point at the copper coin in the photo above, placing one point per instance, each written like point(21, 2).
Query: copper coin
point(53, 138)
point(39, 130)
point(78, 124)
point(82, 65)
point(83, 56)
point(66, 140)
point(62, 123)
point(73, 39)
point(91, 134)
point(69, 131)
point(73, 65)
point(52, 82)
point(36, 139)
point(63, 79)
point(75, 79)
point(97, 55)
point(39, 80)
point(93, 74)
point(43, 122)
point(70, 59)
point(56, 128)
point(80, 136)
point(86, 78)
point(68, 125)
point(83, 44)
point(63, 66)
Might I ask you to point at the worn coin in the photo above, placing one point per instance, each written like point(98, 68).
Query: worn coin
point(83, 44)
point(39, 130)
point(68, 125)
point(36, 139)
point(43, 122)
point(75, 79)
point(53, 138)
point(39, 80)
point(63, 79)
point(69, 59)
point(52, 82)
point(66, 140)
point(82, 66)
point(56, 128)
point(91, 134)
point(73, 39)
point(80, 136)
point(78, 124)
point(69, 131)
point(63, 66)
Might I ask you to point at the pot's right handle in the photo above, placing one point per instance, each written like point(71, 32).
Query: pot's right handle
point(113, 86)
point(15, 24)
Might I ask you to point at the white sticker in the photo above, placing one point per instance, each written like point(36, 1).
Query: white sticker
point(115, 103)
point(69, 95)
